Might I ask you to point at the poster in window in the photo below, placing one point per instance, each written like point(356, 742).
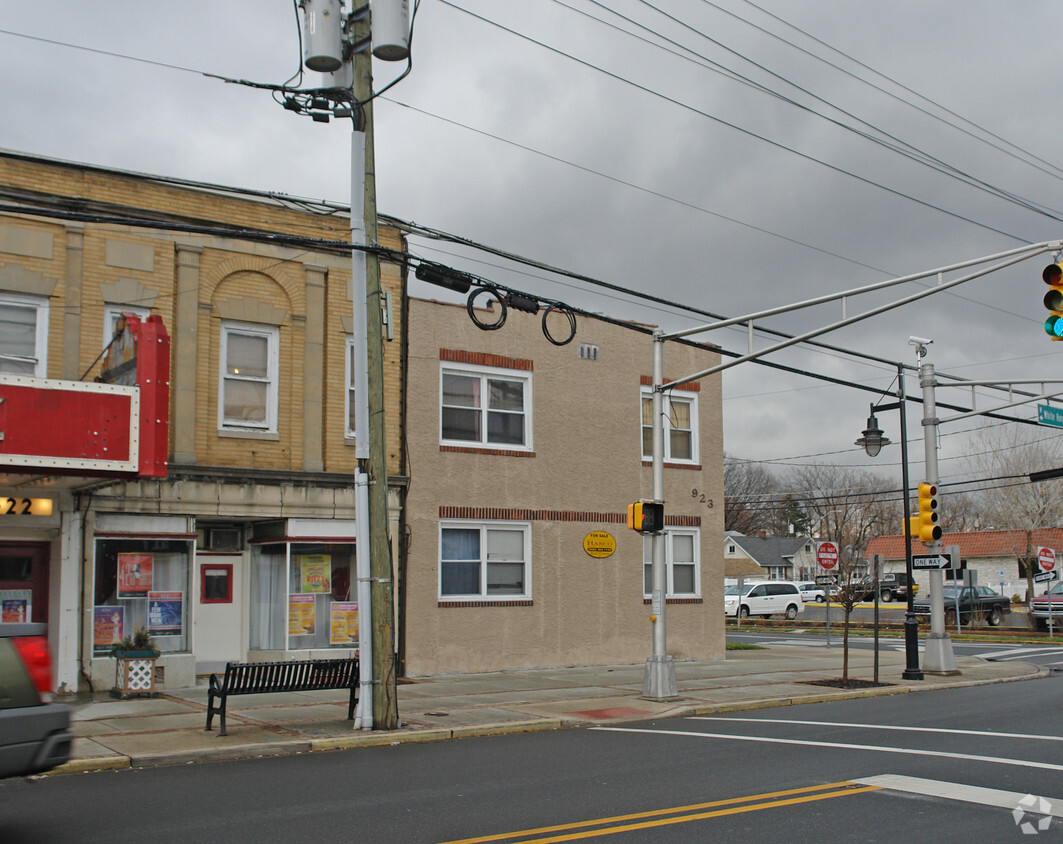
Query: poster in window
point(14, 610)
point(316, 571)
point(134, 575)
point(301, 616)
point(108, 626)
point(165, 611)
point(344, 627)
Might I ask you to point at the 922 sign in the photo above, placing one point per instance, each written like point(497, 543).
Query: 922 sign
point(25, 506)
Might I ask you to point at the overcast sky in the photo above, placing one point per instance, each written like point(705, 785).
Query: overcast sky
point(542, 128)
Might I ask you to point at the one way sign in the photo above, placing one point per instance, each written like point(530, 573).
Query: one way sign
point(931, 561)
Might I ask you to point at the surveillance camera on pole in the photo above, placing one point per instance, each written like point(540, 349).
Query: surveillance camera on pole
point(920, 344)
point(322, 35)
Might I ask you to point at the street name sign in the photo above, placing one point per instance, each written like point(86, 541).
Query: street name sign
point(931, 561)
point(1048, 415)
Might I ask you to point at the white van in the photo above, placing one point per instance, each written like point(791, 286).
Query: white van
point(764, 597)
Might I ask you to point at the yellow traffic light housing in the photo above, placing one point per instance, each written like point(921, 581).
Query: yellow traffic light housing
point(645, 516)
point(924, 526)
point(1053, 277)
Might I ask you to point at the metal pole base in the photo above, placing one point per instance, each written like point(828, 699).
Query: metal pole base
point(659, 683)
point(911, 648)
point(938, 657)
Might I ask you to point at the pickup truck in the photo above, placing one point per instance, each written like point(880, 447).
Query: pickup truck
point(892, 586)
point(34, 732)
point(1041, 604)
point(977, 602)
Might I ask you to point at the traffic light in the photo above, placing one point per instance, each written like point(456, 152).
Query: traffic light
point(1053, 277)
point(924, 526)
point(645, 517)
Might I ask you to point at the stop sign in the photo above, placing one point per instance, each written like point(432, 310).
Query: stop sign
point(1046, 558)
point(827, 555)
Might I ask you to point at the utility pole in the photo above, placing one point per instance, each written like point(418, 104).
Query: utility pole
point(385, 693)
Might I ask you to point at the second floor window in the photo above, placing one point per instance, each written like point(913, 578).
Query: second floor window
point(247, 397)
point(23, 335)
point(487, 407)
point(349, 396)
point(680, 423)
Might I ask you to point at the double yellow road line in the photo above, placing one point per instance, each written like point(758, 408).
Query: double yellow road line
point(678, 814)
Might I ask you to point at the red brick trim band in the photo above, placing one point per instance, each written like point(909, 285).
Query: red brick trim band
point(459, 604)
point(695, 466)
point(481, 359)
point(676, 601)
point(693, 386)
point(527, 515)
point(497, 452)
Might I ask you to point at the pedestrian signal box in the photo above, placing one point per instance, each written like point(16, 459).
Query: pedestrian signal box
point(645, 516)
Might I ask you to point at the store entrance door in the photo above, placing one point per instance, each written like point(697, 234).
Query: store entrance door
point(219, 624)
point(24, 581)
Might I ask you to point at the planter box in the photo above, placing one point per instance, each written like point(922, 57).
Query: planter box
point(134, 674)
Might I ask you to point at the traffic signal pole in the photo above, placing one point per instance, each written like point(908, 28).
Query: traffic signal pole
point(938, 657)
point(659, 681)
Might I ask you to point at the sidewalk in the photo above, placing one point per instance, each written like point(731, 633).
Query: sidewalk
point(169, 729)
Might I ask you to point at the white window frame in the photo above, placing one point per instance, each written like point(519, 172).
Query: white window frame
point(669, 559)
point(40, 351)
point(685, 396)
point(483, 527)
point(272, 336)
point(485, 374)
point(111, 313)
point(349, 432)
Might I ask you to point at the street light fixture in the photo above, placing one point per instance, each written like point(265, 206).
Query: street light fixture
point(872, 440)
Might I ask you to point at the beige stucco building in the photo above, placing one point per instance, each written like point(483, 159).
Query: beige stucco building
point(521, 452)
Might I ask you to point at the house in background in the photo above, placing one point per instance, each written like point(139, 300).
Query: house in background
point(998, 556)
point(524, 456)
point(769, 557)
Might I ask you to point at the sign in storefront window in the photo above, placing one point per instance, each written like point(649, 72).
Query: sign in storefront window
point(142, 583)
point(108, 627)
point(301, 596)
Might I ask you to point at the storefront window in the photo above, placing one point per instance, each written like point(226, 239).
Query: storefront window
point(302, 596)
point(141, 584)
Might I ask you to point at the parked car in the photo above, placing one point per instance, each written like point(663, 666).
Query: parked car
point(763, 597)
point(812, 592)
point(978, 602)
point(34, 732)
point(1040, 605)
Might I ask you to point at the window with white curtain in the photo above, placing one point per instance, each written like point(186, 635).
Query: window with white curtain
point(680, 411)
point(682, 562)
point(23, 335)
point(487, 560)
point(485, 406)
point(247, 390)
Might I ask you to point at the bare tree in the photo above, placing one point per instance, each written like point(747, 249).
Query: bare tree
point(1003, 456)
point(847, 506)
point(748, 489)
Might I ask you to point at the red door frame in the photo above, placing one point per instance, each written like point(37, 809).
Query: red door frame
point(39, 554)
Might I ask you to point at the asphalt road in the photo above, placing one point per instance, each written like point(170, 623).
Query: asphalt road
point(944, 766)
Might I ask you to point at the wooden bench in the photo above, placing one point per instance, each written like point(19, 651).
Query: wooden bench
point(255, 678)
